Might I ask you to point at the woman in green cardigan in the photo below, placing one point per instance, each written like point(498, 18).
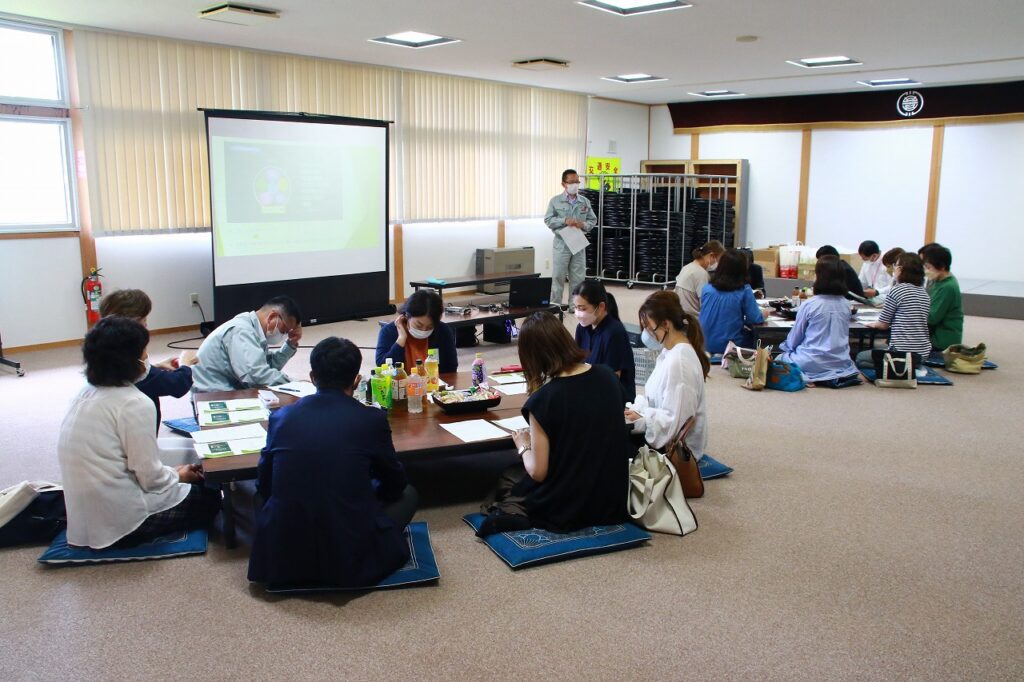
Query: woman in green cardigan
point(946, 317)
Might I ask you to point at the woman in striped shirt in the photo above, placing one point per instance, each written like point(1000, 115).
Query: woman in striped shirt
point(905, 312)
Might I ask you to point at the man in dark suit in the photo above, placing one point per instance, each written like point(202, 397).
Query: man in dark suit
point(337, 501)
point(853, 284)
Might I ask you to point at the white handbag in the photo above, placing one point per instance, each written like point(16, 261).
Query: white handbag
point(18, 497)
point(888, 379)
point(656, 499)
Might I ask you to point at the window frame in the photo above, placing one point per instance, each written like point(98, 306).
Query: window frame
point(60, 60)
point(69, 179)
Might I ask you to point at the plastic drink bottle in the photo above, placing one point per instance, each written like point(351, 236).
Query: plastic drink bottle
point(415, 389)
point(381, 390)
point(398, 382)
point(478, 371)
point(432, 369)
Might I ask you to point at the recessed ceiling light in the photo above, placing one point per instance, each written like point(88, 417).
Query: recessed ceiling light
point(634, 78)
point(824, 62)
point(717, 93)
point(889, 82)
point(414, 39)
point(628, 8)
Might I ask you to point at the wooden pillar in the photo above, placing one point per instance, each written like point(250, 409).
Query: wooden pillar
point(694, 146)
point(501, 234)
point(805, 176)
point(932, 214)
point(399, 263)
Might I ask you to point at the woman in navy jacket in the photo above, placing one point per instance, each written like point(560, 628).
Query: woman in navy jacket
point(336, 496)
point(418, 328)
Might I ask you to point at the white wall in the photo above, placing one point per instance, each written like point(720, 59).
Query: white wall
point(444, 249)
point(532, 232)
point(623, 123)
point(868, 184)
point(665, 144)
point(167, 267)
point(773, 180)
point(40, 299)
point(981, 200)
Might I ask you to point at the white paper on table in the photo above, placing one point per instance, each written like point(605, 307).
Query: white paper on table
point(574, 238)
point(474, 430)
point(229, 433)
point(507, 378)
point(512, 389)
point(783, 324)
point(512, 423)
point(229, 405)
point(240, 417)
point(299, 388)
point(241, 446)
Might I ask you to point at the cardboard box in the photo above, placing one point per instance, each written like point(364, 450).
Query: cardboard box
point(768, 259)
point(854, 260)
point(770, 267)
point(805, 271)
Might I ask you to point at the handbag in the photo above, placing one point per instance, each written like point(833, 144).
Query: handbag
point(759, 374)
point(964, 359)
point(679, 453)
point(31, 512)
point(739, 361)
point(785, 376)
point(656, 500)
point(894, 371)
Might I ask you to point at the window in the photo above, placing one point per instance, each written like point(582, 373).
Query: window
point(35, 178)
point(39, 78)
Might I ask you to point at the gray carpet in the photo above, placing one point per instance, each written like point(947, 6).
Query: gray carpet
point(866, 534)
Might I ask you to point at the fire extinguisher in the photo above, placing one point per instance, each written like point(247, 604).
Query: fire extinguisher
point(92, 292)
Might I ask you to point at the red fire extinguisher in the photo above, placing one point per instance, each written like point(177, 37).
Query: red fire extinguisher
point(92, 292)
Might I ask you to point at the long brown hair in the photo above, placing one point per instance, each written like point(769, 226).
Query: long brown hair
point(664, 306)
point(546, 349)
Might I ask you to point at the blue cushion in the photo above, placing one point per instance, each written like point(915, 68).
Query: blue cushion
point(180, 543)
point(533, 546)
point(710, 467)
point(930, 378)
point(421, 567)
point(183, 426)
point(715, 359)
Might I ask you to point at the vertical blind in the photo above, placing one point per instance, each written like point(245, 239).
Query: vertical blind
point(460, 148)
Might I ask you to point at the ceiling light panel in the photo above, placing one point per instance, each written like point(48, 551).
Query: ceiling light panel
point(634, 78)
point(823, 62)
point(414, 39)
point(717, 93)
point(889, 82)
point(628, 8)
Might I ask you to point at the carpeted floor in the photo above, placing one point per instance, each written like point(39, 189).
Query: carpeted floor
point(866, 534)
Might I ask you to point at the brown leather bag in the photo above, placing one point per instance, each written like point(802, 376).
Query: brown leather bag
point(685, 463)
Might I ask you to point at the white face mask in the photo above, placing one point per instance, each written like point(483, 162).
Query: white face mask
point(712, 267)
point(572, 187)
point(420, 333)
point(650, 340)
point(585, 318)
point(145, 370)
point(275, 337)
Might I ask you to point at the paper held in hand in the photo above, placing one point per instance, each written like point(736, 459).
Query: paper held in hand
point(574, 238)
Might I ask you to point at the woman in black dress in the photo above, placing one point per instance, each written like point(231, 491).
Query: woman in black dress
point(575, 455)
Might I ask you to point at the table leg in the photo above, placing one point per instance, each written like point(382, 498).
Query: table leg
point(228, 511)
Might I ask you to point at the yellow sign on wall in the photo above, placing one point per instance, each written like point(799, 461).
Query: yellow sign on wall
point(603, 165)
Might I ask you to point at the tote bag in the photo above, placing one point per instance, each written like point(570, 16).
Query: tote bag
point(656, 500)
point(785, 376)
point(894, 370)
point(739, 361)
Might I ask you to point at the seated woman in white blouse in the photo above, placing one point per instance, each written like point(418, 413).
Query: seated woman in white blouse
point(675, 390)
point(116, 488)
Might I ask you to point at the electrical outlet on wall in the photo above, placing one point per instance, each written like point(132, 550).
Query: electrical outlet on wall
point(193, 299)
point(547, 265)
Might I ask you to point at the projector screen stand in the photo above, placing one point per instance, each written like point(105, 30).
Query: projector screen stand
point(10, 363)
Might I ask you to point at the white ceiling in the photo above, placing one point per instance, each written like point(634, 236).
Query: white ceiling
point(938, 42)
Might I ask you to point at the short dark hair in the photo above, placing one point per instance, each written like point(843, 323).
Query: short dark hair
point(546, 349)
point(287, 306)
point(594, 293)
point(911, 269)
point(423, 302)
point(732, 272)
point(112, 350)
point(937, 256)
point(132, 303)
point(335, 363)
point(928, 245)
point(829, 278)
point(567, 172)
point(868, 248)
point(827, 250)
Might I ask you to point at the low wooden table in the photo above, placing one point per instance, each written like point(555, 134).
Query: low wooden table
point(415, 436)
point(464, 281)
point(776, 326)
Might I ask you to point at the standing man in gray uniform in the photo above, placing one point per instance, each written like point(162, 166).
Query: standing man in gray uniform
point(568, 210)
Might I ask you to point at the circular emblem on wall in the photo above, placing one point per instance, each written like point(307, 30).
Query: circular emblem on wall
point(910, 103)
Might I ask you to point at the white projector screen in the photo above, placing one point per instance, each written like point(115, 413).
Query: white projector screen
point(296, 199)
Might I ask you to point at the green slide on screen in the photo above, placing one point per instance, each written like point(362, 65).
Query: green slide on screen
point(275, 197)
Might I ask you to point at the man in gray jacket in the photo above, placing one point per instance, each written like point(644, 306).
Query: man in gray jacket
point(568, 210)
point(237, 354)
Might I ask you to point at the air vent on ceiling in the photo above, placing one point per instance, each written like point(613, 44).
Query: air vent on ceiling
point(242, 15)
point(542, 64)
